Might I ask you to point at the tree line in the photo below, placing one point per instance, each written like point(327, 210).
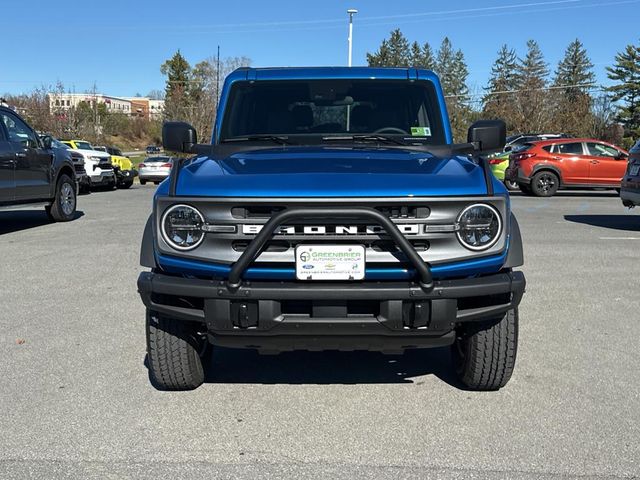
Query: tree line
point(525, 94)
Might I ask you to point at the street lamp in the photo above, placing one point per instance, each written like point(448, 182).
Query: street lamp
point(351, 12)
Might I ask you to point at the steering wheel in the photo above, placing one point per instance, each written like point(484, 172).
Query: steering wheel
point(391, 130)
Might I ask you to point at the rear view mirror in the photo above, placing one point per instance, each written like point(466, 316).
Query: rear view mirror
point(179, 137)
point(488, 135)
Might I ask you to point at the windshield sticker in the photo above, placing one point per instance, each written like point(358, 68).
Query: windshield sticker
point(420, 132)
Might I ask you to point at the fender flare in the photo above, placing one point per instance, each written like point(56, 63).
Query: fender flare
point(147, 257)
point(546, 166)
point(515, 256)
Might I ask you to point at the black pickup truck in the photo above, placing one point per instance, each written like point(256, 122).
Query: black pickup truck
point(33, 171)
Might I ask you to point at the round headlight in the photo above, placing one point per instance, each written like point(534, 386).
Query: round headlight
point(479, 226)
point(182, 227)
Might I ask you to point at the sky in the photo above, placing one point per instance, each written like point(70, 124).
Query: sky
point(120, 44)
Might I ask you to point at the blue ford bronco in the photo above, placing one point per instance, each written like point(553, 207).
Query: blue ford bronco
point(332, 210)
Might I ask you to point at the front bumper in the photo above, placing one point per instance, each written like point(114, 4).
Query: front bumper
point(105, 178)
point(346, 316)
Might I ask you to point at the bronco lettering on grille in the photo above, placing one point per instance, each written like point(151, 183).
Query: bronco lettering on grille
point(407, 229)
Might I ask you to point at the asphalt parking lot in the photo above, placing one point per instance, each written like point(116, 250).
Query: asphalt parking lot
point(75, 400)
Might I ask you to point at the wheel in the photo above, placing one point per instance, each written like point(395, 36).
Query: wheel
point(511, 185)
point(175, 352)
point(526, 189)
point(485, 354)
point(156, 183)
point(63, 207)
point(143, 182)
point(126, 185)
point(545, 184)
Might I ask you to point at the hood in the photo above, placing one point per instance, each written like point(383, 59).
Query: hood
point(330, 172)
point(92, 153)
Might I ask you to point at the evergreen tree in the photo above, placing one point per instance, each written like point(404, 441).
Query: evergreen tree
point(575, 70)
point(422, 57)
point(394, 52)
point(177, 101)
point(178, 71)
point(498, 103)
point(571, 97)
point(533, 113)
point(626, 74)
point(453, 72)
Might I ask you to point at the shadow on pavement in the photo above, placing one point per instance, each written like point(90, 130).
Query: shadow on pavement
point(14, 221)
point(329, 367)
point(629, 223)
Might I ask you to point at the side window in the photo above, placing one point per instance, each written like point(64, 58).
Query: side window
point(19, 131)
point(600, 150)
point(547, 148)
point(569, 148)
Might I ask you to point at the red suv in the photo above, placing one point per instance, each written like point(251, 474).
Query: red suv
point(540, 168)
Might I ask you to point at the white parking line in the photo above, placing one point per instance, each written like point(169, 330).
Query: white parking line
point(619, 238)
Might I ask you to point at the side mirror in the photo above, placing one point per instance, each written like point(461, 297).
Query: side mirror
point(179, 137)
point(488, 135)
point(47, 142)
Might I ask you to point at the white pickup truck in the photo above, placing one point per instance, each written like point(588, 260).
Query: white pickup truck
point(96, 163)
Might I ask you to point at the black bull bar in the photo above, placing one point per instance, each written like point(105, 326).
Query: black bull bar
point(256, 246)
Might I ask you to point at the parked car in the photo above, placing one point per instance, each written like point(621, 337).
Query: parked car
point(541, 168)
point(122, 166)
point(517, 140)
point(153, 149)
point(500, 162)
point(96, 163)
point(33, 171)
point(332, 211)
point(154, 169)
point(630, 186)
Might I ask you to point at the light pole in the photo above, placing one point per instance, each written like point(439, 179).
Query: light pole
point(351, 12)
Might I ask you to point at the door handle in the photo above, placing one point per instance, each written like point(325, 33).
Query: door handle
point(557, 158)
point(594, 161)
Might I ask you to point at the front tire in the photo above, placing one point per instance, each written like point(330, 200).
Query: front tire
point(545, 184)
point(485, 354)
point(64, 204)
point(175, 352)
point(511, 185)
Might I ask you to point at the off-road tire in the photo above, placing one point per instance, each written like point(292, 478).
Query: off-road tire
point(174, 352)
point(545, 184)
point(484, 354)
point(65, 202)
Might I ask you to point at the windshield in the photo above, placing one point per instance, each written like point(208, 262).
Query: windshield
point(320, 108)
point(84, 146)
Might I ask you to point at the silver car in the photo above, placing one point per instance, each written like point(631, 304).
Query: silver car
point(154, 169)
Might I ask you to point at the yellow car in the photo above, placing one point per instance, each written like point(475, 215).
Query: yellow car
point(123, 167)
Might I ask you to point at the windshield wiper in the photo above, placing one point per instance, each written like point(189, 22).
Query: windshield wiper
point(373, 137)
point(250, 138)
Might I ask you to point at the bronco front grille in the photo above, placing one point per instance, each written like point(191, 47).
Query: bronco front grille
point(391, 211)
